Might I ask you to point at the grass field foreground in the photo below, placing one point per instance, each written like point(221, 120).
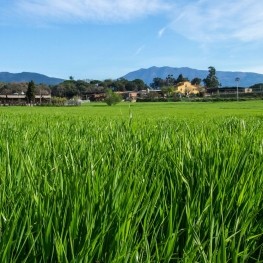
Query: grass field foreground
point(74, 188)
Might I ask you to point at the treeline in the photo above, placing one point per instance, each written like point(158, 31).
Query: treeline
point(21, 88)
point(71, 88)
point(170, 80)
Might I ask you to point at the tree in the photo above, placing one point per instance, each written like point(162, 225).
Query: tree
point(140, 85)
point(30, 93)
point(120, 84)
point(196, 81)
point(112, 98)
point(170, 80)
point(157, 83)
point(211, 80)
point(167, 90)
point(181, 78)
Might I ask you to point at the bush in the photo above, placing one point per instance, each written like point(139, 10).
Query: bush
point(112, 98)
point(57, 101)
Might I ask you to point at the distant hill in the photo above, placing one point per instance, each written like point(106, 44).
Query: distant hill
point(226, 78)
point(28, 76)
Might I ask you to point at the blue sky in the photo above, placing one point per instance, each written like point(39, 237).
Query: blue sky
point(100, 39)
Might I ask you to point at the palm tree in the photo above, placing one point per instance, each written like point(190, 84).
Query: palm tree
point(237, 81)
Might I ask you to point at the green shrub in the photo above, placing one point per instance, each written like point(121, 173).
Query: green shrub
point(112, 98)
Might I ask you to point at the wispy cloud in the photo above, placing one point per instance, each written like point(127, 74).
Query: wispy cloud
point(211, 21)
point(139, 50)
point(91, 10)
point(161, 32)
point(204, 21)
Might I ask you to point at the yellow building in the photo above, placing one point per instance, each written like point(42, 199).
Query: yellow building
point(186, 88)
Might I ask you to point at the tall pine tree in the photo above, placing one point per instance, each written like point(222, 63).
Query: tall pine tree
point(211, 80)
point(30, 93)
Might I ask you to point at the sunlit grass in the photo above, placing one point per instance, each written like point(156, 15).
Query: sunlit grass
point(76, 186)
point(179, 110)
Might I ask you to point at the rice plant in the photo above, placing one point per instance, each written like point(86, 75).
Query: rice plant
point(81, 189)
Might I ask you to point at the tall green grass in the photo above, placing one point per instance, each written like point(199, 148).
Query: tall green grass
point(76, 189)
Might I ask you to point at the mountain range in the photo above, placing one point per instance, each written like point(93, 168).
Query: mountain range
point(226, 78)
point(28, 76)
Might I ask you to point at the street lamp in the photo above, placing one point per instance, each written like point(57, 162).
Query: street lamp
point(237, 81)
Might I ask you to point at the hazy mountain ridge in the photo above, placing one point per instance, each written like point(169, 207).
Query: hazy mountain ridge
point(226, 78)
point(28, 76)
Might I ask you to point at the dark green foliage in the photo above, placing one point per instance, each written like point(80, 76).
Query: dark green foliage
point(157, 83)
point(11, 88)
point(85, 89)
point(135, 85)
point(196, 81)
point(21, 88)
point(258, 89)
point(30, 93)
point(170, 80)
point(181, 78)
point(211, 80)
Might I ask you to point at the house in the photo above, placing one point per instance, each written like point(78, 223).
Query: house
point(248, 90)
point(128, 95)
point(100, 96)
point(20, 99)
point(227, 91)
point(186, 88)
point(132, 96)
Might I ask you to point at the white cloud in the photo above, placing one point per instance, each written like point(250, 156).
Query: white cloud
point(91, 10)
point(161, 32)
point(211, 21)
point(205, 21)
point(139, 50)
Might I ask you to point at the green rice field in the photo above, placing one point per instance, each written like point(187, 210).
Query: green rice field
point(142, 182)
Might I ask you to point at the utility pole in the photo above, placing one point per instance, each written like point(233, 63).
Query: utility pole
point(237, 81)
